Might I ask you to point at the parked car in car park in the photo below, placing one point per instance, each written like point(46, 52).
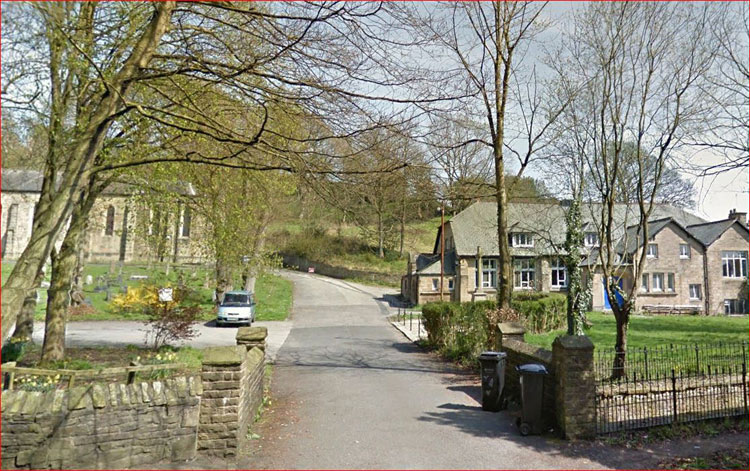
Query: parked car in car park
point(237, 307)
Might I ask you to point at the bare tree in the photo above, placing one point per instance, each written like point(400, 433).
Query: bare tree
point(639, 66)
point(485, 44)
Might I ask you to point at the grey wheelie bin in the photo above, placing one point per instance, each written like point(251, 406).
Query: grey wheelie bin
point(532, 388)
point(493, 380)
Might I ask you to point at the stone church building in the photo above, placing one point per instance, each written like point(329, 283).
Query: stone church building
point(117, 230)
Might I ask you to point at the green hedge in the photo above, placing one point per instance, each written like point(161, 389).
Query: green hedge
point(461, 330)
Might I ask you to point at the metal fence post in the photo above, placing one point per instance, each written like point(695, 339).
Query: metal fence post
point(674, 398)
point(410, 319)
point(744, 383)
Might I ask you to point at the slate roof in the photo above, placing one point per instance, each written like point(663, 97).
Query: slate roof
point(708, 232)
point(30, 181)
point(631, 240)
point(429, 264)
point(21, 180)
point(477, 224)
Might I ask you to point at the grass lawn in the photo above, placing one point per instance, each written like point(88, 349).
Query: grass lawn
point(274, 294)
point(273, 298)
point(652, 331)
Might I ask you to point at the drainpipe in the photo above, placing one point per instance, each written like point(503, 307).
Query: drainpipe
point(706, 287)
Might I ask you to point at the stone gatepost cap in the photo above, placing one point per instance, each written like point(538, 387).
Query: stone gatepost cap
point(252, 333)
point(574, 342)
point(510, 328)
point(233, 355)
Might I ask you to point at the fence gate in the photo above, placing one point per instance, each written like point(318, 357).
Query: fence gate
point(670, 384)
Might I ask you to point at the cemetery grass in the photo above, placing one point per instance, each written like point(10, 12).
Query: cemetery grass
point(274, 294)
point(656, 331)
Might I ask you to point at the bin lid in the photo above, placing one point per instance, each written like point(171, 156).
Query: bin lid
point(532, 368)
point(492, 355)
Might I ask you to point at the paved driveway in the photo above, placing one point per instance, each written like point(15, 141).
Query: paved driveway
point(93, 333)
point(350, 391)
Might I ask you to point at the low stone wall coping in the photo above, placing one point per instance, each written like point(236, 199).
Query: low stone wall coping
point(574, 342)
point(511, 328)
point(224, 356)
point(251, 333)
point(538, 353)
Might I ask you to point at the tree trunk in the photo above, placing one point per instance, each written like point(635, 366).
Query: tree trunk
point(381, 252)
point(223, 281)
point(124, 235)
point(25, 322)
point(621, 345)
point(403, 224)
point(63, 272)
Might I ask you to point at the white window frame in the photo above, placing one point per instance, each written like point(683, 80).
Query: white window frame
point(591, 239)
point(451, 284)
point(435, 284)
point(558, 268)
point(489, 273)
point(670, 282)
point(522, 239)
point(645, 282)
point(524, 273)
point(732, 262)
point(657, 286)
point(695, 291)
point(685, 254)
point(652, 253)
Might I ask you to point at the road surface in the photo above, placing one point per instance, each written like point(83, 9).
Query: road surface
point(350, 391)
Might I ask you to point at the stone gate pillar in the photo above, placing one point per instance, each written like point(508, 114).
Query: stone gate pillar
point(575, 385)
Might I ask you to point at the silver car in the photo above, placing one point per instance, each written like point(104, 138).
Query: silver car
point(237, 307)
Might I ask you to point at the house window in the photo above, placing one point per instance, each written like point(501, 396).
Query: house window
point(670, 282)
point(186, 219)
point(591, 239)
point(435, 284)
point(450, 284)
point(489, 273)
point(695, 291)
point(109, 227)
point(522, 239)
point(658, 282)
point(735, 306)
point(523, 274)
point(644, 282)
point(734, 264)
point(652, 251)
point(684, 251)
point(559, 274)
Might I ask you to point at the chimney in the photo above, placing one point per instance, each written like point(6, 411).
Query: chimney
point(741, 217)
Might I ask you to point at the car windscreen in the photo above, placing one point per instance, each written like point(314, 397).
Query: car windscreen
point(236, 300)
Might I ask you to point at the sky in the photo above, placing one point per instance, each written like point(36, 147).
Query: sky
point(715, 196)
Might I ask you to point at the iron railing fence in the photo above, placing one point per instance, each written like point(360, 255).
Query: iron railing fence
point(670, 384)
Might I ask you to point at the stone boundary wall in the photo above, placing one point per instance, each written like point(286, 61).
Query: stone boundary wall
point(302, 264)
point(96, 427)
point(520, 353)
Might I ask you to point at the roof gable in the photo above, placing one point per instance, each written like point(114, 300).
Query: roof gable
point(708, 233)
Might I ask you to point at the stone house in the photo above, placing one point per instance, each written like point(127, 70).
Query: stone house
point(536, 238)
point(117, 231)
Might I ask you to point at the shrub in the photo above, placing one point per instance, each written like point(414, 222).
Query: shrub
point(462, 330)
point(173, 320)
point(545, 313)
point(14, 348)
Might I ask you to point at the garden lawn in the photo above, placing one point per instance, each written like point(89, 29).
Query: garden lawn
point(652, 331)
point(273, 295)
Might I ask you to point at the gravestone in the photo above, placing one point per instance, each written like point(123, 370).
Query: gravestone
point(89, 279)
